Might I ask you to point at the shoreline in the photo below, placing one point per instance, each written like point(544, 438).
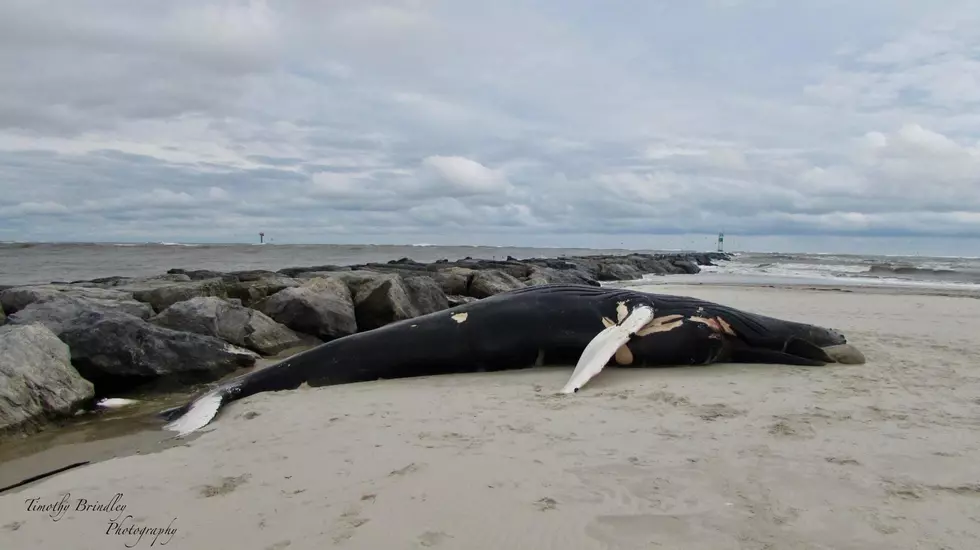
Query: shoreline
point(867, 456)
point(918, 289)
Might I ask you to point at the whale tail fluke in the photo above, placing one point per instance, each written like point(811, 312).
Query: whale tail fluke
point(196, 414)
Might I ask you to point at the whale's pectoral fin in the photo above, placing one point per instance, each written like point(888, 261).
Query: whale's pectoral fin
point(598, 352)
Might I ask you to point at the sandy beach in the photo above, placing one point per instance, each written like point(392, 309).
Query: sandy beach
point(876, 456)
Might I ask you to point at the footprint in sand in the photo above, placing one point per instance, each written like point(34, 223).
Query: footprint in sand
point(547, 503)
point(227, 485)
point(668, 397)
point(714, 411)
point(347, 523)
point(433, 538)
point(406, 470)
point(786, 427)
point(652, 530)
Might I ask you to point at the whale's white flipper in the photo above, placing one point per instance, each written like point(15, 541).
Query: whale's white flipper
point(604, 345)
point(202, 410)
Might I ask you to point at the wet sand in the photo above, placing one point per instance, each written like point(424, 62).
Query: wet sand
point(882, 455)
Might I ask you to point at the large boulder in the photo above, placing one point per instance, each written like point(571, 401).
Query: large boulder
point(425, 294)
point(117, 281)
point(454, 281)
point(37, 379)
point(297, 271)
point(650, 265)
point(381, 298)
point(547, 275)
point(17, 298)
point(490, 282)
point(321, 307)
point(618, 272)
point(162, 293)
point(200, 274)
point(251, 290)
point(687, 266)
point(231, 322)
point(119, 350)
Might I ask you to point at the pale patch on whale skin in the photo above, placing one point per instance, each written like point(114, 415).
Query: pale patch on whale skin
point(670, 322)
point(604, 346)
point(460, 317)
point(624, 355)
point(621, 311)
point(661, 324)
point(726, 327)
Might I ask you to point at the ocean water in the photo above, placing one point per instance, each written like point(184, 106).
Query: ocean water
point(33, 263)
point(847, 269)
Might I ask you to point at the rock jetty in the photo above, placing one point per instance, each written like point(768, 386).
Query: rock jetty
point(64, 344)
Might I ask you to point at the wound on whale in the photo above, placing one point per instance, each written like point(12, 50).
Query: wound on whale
point(558, 324)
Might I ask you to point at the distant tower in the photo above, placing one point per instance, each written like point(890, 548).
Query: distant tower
point(721, 242)
point(262, 238)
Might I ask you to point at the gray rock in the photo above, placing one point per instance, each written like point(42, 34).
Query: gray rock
point(310, 275)
point(425, 294)
point(112, 347)
point(454, 281)
point(161, 294)
point(648, 265)
point(322, 307)
point(60, 307)
point(380, 299)
point(490, 282)
point(688, 266)
point(297, 271)
point(547, 275)
point(37, 379)
point(251, 291)
point(618, 272)
point(231, 322)
point(134, 282)
point(17, 298)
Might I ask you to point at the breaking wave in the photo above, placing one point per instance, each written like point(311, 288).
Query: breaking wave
point(854, 269)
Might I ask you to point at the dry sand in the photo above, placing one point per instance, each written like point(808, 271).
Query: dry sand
point(882, 455)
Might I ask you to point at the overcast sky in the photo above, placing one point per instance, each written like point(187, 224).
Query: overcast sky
point(806, 125)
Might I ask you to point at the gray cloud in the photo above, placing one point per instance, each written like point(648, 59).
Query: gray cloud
point(507, 122)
